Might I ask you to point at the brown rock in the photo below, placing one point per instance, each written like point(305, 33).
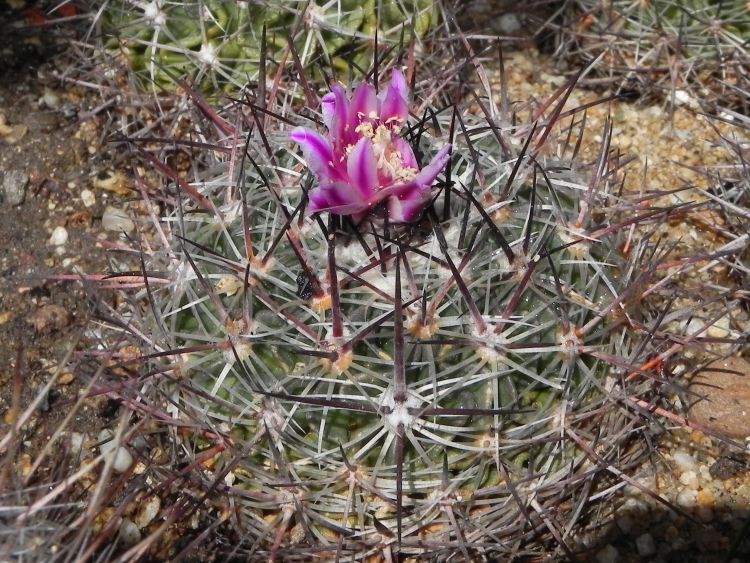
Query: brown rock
point(724, 403)
point(49, 318)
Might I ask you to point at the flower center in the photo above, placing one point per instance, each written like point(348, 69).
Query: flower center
point(389, 159)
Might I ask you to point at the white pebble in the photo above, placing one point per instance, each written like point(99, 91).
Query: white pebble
point(59, 236)
point(76, 443)
point(115, 219)
point(88, 198)
point(148, 511)
point(684, 461)
point(118, 456)
point(687, 498)
point(129, 532)
point(645, 545)
point(50, 99)
point(689, 479)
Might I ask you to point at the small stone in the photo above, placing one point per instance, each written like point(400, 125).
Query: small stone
point(129, 532)
point(11, 134)
point(687, 498)
point(119, 456)
point(58, 237)
point(14, 187)
point(706, 498)
point(684, 461)
point(76, 442)
point(645, 545)
point(727, 467)
point(113, 181)
point(117, 220)
point(724, 405)
point(689, 479)
point(625, 523)
point(49, 317)
point(50, 98)
point(66, 378)
point(148, 511)
point(88, 198)
point(608, 554)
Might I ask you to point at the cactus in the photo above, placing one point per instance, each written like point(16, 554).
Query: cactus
point(218, 43)
point(429, 388)
point(661, 46)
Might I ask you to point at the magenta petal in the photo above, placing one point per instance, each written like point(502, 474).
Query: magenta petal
point(362, 168)
point(407, 155)
point(364, 102)
point(428, 174)
point(407, 206)
point(337, 197)
point(318, 153)
point(395, 106)
point(339, 129)
point(328, 108)
point(398, 82)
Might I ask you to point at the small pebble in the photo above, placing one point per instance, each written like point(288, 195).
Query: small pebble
point(117, 220)
point(59, 236)
point(645, 545)
point(148, 511)
point(88, 198)
point(66, 378)
point(14, 185)
point(50, 99)
point(689, 479)
point(684, 461)
point(608, 554)
point(687, 498)
point(119, 456)
point(76, 442)
point(625, 523)
point(49, 317)
point(129, 532)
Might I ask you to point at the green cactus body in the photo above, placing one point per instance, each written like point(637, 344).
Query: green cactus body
point(218, 42)
point(414, 378)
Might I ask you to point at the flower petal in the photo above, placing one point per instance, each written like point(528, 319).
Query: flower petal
point(398, 81)
point(407, 155)
point(340, 130)
point(328, 108)
point(336, 197)
point(364, 103)
point(407, 206)
point(318, 153)
point(362, 168)
point(428, 174)
point(395, 106)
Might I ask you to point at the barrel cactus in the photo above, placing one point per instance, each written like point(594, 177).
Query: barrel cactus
point(218, 43)
point(412, 335)
point(661, 46)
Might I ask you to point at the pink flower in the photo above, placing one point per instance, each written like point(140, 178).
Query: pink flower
point(363, 161)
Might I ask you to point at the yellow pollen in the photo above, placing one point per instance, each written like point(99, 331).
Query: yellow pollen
point(365, 129)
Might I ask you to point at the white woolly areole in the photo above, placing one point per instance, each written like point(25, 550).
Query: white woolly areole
point(240, 350)
point(490, 353)
point(578, 250)
point(399, 414)
point(208, 55)
point(153, 13)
